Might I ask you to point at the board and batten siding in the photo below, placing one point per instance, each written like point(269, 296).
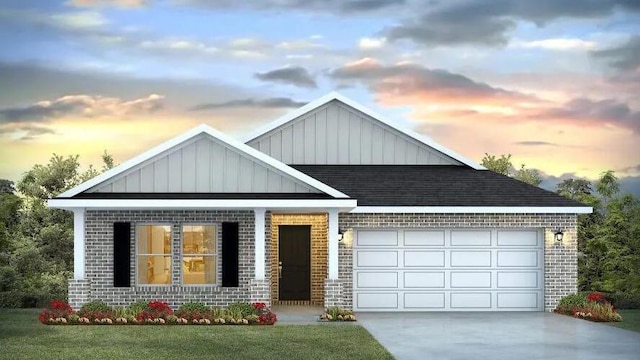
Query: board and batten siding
point(205, 165)
point(336, 133)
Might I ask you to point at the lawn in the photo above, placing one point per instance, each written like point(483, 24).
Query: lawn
point(23, 337)
point(630, 320)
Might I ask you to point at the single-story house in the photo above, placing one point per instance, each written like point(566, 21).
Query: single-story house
point(329, 205)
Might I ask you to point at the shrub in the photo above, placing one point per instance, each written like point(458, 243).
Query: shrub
point(624, 300)
point(137, 307)
point(194, 306)
point(242, 309)
point(268, 318)
point(155, 310)
point(596, 311)
point(568, 303)
point(338, 314)
point(56, 309)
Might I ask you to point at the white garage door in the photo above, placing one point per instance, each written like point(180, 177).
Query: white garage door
point(448, 270)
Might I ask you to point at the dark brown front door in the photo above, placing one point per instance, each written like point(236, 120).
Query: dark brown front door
point(294, 247)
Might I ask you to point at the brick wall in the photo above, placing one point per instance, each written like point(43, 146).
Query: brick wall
point(98, 284)
point(560, 272)
point(318, 224)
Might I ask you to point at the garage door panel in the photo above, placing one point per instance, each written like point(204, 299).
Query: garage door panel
point(468, 279)
point(518, 258)
point(423, 258)
point(423, 238)
point(377, 238)
point(470, 258)
point(424, 279)
point(524, 279)
point(518, 238)
point(470, 238)
point(377, 280)
point(471, 300)
point(424, 301)
point(377, 301)
point(377, 258)
point(527, 300)
point(448, 270)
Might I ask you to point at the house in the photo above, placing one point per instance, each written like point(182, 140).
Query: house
point(331, 205)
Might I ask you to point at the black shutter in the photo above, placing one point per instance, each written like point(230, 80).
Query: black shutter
point(121, 254)
point(230, 254)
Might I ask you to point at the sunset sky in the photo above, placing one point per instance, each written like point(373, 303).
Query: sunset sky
point(555, 83)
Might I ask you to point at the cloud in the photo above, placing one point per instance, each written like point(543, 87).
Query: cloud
point(275, 102)
point(491, 22)
point(599, 112)
point(331, 6)
point(295, 75)
point(371, 43)
point(25, 131)
point(412, 80)
point(557, 44)
point(623, 57)
point(628, 184)
point(102, 3)
point(535, 143)
point(85, 105)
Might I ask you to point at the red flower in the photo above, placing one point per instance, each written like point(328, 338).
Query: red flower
point(596, 297)
point(259, 305)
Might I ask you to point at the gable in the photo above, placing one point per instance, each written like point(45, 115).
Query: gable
point(203, 164)
point(336, 133)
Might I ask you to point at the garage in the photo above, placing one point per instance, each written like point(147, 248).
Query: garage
point(448, 270)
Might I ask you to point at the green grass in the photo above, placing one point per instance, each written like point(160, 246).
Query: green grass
point(630, 320)
point(23, 337)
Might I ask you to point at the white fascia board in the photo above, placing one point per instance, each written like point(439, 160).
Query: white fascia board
point(473, 209)
point(203, 128)
point(221, 204)
point(336, 96)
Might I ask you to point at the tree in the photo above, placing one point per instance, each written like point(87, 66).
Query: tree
point(609, 238)
point(503, 165)
point(36, 242)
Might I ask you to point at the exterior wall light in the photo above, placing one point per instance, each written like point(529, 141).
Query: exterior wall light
point(340, 235)
point(559, 235)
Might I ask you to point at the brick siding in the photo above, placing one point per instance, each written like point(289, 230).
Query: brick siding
point(560, 259)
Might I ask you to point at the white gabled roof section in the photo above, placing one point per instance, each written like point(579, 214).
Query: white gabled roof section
point(339, 97)
point(202, 129)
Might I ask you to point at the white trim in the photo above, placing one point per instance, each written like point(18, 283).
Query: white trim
point(259, 230)
point(206, 129)
point(238, 204)
point(336, 96)
point(473, 209)
point(332, 258)
point(78, 244)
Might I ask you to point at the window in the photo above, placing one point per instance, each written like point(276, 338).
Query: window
point(153, 246)
point(199, 257)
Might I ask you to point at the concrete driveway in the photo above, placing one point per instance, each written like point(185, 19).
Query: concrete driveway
point(519, 336)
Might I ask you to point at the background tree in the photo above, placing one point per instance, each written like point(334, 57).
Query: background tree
point(36, 242)
point(502, 165)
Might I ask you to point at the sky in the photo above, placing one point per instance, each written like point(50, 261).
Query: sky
point(554, 83)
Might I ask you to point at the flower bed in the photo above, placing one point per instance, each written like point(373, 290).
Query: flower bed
point(157, 313)
point(594, 307)
point(337, 314)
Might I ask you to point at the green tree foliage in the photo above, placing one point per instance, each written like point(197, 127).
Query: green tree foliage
point(36, 242)
point(502, 165)
point(609, 238)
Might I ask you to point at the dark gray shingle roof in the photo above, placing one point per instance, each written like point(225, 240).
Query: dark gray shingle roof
point(431, 185)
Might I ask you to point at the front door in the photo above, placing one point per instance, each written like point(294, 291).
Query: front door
point(294, 248)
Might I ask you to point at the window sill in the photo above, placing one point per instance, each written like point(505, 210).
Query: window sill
point(145, 289)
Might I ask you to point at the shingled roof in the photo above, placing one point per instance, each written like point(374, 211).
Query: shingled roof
point(432, 185)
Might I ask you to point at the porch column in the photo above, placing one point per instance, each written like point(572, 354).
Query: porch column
point(78, 244)
point(259, 243)
point(333, 245)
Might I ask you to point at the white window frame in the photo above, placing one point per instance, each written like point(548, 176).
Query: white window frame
point(215, 254)
point(137, 255)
